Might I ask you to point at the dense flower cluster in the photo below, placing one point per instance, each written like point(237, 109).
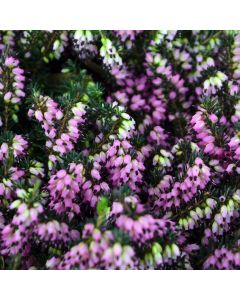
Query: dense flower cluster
point(119, 149)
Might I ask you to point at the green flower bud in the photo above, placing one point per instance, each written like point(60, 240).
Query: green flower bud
point(15, 204)
point(121, 133)
point(207, 211)
point(175, 250)
point(158, 258)
point(217, 81)
point(214, 227)
point(199, 212)
point(167, 252)
point(185, 224)
point(56, 45)
point(149, 258)
point(236, 197)
point(45, 59)
point(125, 116)
point(26, 213)
point(21, 193)
point(156, 248)
point(15, 118)
point(193, 214)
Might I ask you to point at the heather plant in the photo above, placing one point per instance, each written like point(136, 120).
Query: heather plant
point(119, 149)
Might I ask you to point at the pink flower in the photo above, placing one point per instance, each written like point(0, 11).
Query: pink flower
point(95, 174)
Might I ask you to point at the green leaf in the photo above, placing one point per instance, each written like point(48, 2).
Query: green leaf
point(103, 210)
point(102, 206)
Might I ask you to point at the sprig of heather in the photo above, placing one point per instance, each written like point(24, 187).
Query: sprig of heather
point(12, 81)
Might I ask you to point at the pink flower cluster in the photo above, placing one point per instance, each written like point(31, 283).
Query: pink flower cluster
point(55, 233)
point(98, 250)
point(64, 187)
point(223, 259)
point(122, 167)
point(12, 81)
point(207, 141)
point(170, 194)
point(15, 236)
point(63, 133)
